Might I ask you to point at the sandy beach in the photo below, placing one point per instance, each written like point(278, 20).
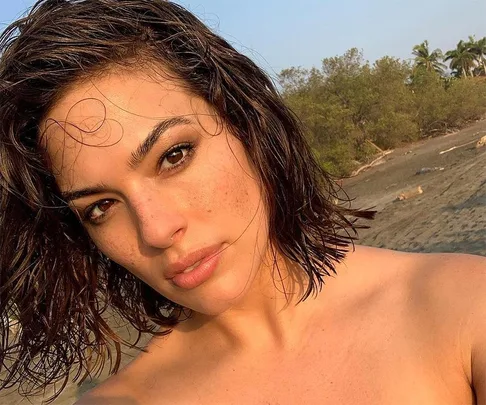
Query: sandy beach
point(449, 216)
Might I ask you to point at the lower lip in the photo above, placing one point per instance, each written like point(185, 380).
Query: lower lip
point(198, 275)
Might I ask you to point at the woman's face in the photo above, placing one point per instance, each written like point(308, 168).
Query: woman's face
point(159, 186)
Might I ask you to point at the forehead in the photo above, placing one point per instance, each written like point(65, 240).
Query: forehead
point(110, 116)
point(124, 97)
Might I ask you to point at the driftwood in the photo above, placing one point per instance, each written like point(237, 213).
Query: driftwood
point(373, 163)
point(481, 142)
point(405, 195)
point(459, 146)
point(375, 146)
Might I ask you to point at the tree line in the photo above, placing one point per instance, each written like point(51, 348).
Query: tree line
point(352, 109)
point(467, 60)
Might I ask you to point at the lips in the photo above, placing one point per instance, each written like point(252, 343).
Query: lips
point(191, 261)
point(191, 268)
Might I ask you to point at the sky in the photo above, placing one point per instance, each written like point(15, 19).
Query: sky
point(279, 34)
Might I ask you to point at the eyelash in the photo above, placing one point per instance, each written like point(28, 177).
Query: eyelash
point(190, 147)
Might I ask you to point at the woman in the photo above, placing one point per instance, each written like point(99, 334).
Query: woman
point(149, 167)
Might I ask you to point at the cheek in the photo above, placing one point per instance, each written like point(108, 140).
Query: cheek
point(225, 182)
point(122, 252)
point(226, 191)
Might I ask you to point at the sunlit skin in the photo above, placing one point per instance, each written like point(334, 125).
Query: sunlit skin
point(390, 328)
point(205, 193)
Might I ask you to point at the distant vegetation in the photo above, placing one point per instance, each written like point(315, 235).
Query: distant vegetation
point(351, 109)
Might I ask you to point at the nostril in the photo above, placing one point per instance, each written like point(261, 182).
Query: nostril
point(161, 234)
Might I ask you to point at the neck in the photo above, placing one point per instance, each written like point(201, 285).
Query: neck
point(269, 316)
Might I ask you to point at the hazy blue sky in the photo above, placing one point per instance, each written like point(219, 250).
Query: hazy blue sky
point(284, 33)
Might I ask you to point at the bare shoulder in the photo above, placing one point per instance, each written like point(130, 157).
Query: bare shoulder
point(457, 285)
point(445, 292)
point(105, 400)
point(442, 298)
point(456, 282)
point(110, 392)
point(449, 281)
point(116, 390)
point(447, 286)
point(445, 302)
point(145, 380)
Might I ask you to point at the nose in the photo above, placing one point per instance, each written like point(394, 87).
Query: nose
point(159, 221)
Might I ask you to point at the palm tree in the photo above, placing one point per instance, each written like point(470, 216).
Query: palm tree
point(427, 60)
point(462, 59)
point(478, 48)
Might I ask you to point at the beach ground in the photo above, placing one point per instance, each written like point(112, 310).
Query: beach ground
point(449, 216)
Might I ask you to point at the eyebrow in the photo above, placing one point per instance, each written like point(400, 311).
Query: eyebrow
point(146, 146)
point(68, 196)
point(136, 157)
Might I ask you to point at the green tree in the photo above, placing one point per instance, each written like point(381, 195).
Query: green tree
point(462, 59)
point(348, 80)
point(478, 48)
point(430, 61)
point(350, 107)
point(467, 101)
point(391, 121)
point(431, 103)
point(327, 121)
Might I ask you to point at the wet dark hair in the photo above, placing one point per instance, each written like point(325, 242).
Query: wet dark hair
point(53, 280)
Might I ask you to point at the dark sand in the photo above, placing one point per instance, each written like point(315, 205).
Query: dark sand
point(450, 215)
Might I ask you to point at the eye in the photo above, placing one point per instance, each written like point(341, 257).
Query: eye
point(175, 156)
point(95, 213)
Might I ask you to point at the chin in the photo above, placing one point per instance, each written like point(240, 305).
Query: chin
point(218, 296)
point(212, 309)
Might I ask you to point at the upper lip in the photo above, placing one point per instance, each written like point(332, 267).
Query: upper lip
point(177, 267)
